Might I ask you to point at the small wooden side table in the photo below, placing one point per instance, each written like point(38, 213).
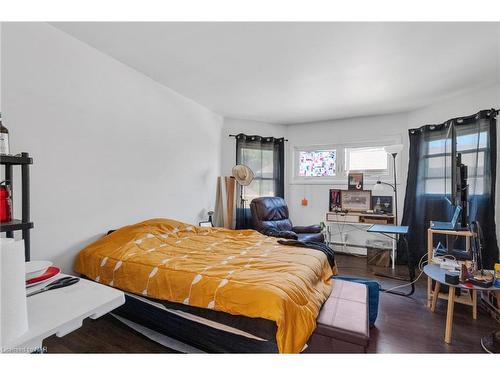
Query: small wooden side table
point(436, 273)
point(430, 247)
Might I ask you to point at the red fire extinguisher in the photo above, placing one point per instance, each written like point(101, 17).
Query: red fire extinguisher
point(5, 202)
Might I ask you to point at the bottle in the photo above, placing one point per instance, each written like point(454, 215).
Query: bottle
point(5, 202)
point(497, 276)
point(4, 139)
point(378, 207)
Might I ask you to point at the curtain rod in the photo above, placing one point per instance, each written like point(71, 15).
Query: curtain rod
point(235, 135)
point(490, 113)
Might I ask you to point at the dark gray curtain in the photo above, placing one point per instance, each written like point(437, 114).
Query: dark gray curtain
point(428, 189)
point(266, 158)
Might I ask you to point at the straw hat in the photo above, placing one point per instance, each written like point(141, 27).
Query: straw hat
point(243, 174)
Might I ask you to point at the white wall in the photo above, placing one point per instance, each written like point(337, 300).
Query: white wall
point(456, 106)
point(235, 126)
point(110, 146)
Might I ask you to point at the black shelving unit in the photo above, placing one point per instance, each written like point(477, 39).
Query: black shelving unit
point(24, 161)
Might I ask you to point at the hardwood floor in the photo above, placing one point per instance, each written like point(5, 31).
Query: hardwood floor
point(404, 325)
point(104, 335)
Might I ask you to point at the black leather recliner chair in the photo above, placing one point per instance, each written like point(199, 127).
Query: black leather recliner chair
point(270, 217)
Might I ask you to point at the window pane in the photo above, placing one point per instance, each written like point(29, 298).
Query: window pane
point(259, 188)
point(439, 146)
point(317, 163)
point(366, 159)
point(476, 186)
point(267, 170)
point(471, 160)
point(437, 186)
point(438, 166)
point(261, 162)
point(470, 141)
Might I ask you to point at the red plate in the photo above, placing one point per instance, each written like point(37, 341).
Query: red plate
point(51, 272)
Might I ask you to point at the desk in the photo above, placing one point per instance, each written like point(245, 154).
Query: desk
point(62, 311)
point(436, 273)
point(400, 231)
point(358, 221)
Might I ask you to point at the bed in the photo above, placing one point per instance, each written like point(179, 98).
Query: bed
point(230, 290)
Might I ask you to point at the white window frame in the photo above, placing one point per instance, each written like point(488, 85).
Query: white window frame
point(367, 173)
point(340, 173)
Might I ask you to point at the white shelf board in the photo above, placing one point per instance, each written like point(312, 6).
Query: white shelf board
point(63, 310)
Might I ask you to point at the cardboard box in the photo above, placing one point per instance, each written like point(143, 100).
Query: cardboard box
point(378, 253)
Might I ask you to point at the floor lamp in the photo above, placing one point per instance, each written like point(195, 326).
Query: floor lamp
point(393, 150)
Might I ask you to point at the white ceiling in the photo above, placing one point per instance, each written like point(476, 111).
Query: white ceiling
point(300, 72)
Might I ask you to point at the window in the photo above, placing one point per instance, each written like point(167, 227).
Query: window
point(317, 163)
point(332, 163)
point(370, 160)
point(265, 156)
point(438, 163)
point(261, 162)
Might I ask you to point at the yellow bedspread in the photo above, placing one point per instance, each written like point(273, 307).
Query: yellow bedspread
point(240, 272)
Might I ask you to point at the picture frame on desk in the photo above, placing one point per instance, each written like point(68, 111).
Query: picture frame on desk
point(356, 200)
point(384, 202)
point(355, 181)
point(334, 200)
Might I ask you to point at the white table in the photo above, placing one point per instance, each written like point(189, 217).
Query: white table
point(62, 311)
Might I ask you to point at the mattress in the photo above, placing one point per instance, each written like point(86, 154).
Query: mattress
point(207, 330)
point(236, 272)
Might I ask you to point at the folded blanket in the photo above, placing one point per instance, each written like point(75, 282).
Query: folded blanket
point(321, 246)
